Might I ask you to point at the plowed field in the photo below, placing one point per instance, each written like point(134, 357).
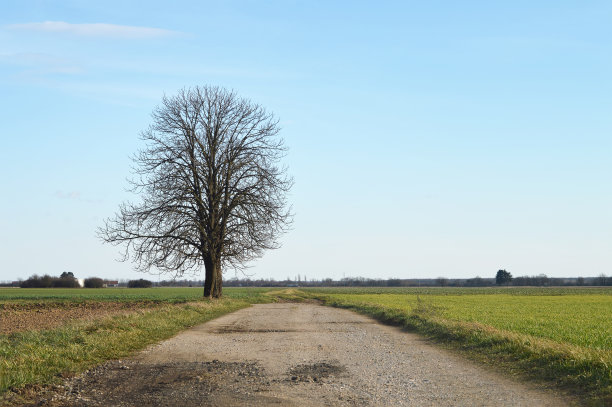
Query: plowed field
point(19, 317)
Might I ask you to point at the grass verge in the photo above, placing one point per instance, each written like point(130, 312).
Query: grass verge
point(45, 357)
point(586, 373)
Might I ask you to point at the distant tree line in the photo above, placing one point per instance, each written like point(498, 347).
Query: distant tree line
point(65, 280)
point(140, 283)
point(539, 280)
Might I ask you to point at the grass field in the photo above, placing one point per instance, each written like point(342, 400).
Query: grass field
point(560, 335)
point(579, 317)
point(163, 294)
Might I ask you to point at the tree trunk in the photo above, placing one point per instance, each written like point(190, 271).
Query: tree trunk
point(213, 280)
point(217, 289)
point(208, 276)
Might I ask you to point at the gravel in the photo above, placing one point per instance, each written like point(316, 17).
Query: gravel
point(296, 355)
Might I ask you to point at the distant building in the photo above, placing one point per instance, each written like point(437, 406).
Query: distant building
point(111, 283)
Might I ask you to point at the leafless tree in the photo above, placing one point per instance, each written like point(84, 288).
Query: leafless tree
point(211, 186)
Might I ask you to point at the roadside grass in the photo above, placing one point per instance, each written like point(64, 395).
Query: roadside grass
point(44, 357)
point(563, 340)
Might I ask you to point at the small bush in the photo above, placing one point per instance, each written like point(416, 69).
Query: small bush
point(140, 283)
point(65, 282)
point(94, 282)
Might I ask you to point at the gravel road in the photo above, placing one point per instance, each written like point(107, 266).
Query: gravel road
point(297, 355)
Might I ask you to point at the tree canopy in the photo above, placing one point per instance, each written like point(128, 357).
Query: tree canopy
point(212, 189)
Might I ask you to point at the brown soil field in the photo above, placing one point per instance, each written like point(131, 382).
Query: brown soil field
point(19, 317)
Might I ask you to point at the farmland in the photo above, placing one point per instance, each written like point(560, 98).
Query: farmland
point(556, 334)
point(165, 294)
point(573, 316)
point(100, 325)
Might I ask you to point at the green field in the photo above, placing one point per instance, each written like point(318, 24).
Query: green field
point(579, 317)
point(163, 294)
point(522, 291)
point(560, 335)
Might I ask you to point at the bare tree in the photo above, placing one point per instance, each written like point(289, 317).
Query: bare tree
point(212, 191)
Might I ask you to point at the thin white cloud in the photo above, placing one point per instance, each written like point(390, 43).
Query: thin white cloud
point(96, 30)
point(40, 63)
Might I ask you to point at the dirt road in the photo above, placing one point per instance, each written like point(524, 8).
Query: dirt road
point(297, 355)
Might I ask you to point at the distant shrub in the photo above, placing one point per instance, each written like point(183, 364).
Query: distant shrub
point(140, 283)
point(36, 281)
point(94, 282)
point(65, 282)
point(47, 281)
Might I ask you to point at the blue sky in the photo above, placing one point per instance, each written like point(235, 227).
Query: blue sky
point(426, 139)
